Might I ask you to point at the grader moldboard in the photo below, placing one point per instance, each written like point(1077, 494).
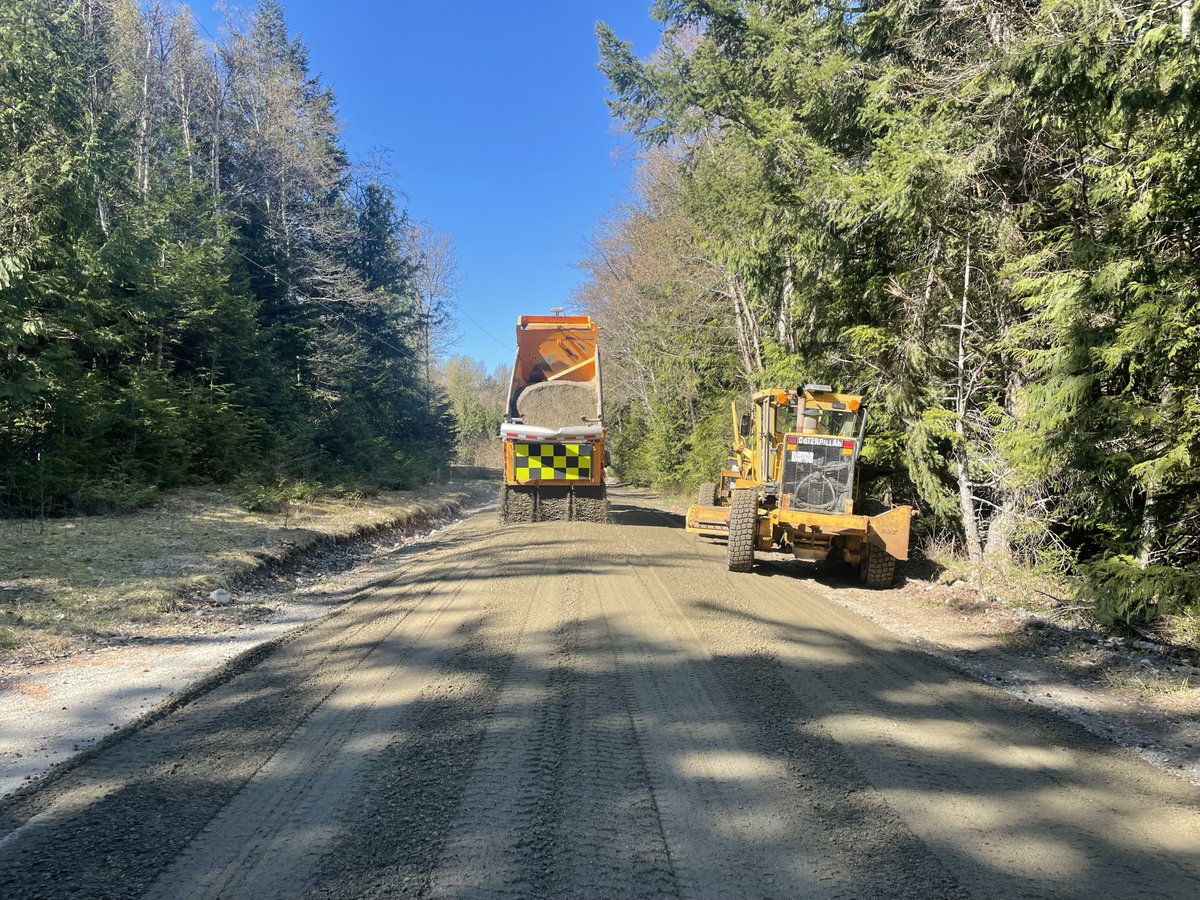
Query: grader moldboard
point(553, 431)
point(791, 487)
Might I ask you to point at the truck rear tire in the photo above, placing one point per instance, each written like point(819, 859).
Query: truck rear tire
point(743, 530)
point(590, 504)
point(707, 495)
point(516, 504)
point(877, 568)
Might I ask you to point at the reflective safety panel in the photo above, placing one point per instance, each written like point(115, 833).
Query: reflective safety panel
point(552, 462)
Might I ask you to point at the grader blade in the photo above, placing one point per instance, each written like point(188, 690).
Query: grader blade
point(708, 519)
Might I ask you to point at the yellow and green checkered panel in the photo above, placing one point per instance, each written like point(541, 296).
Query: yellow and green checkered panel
point(552, 462)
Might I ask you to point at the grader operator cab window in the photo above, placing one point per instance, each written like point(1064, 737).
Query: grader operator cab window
point(835, 422)
point(842, 423)
point(785, 419)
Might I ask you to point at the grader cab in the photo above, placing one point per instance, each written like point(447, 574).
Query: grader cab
point(789, 485)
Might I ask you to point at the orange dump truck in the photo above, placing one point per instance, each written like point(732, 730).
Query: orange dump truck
point(553, 430)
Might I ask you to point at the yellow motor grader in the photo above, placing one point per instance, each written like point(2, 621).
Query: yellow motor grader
point(789, 485)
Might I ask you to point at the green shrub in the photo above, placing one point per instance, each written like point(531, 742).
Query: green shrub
point(114, 495)
point(1121, 591)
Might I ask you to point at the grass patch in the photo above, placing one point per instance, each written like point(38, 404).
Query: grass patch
point(1182, 629)
point(1149, 684)
point(68, 582)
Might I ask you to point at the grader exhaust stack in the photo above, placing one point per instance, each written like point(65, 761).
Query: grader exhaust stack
point(553, 431)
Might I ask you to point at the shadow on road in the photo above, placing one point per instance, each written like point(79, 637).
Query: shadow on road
point(674, 730)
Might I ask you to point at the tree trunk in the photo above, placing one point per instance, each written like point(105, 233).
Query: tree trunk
point(966, 494)
point(747, 326)
point(217, 101)
point(1149, 531)
point(1151, 526)
point(783, 326)
point(1002, 524)
point(90, 29)
point(185, 123)
point(143, 161)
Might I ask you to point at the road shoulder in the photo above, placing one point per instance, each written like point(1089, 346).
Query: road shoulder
point(52, 710)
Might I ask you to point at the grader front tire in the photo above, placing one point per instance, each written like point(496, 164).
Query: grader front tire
point(743, 530)
point(707, 495)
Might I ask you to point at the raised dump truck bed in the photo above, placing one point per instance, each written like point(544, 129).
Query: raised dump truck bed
point(553, 431)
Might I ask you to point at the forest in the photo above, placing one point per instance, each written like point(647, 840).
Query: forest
point(196, 281)
point(984, 215)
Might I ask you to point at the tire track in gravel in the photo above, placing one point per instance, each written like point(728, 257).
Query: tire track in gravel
point(264, 842)
point(607, 838)
point(109, 826)
point(559, 804)
point(719, 805)
point(1016, 800)
point(855, 843)
point(389, 847)
point(1013, 800)
point(490, 840)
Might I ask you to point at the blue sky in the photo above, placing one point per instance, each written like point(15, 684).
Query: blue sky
point(495, 120)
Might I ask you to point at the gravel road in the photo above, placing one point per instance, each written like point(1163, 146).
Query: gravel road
point(566, 709)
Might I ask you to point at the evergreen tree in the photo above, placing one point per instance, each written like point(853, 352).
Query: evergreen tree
point(981, 214)
point(189, 287)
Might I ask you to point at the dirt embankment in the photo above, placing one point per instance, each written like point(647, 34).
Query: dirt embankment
point(70, 585)
point(53, 708)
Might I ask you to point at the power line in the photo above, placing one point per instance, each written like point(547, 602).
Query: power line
point(202, 25)
point(508, 347)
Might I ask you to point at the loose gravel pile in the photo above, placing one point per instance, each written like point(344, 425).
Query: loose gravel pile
point(557, 404)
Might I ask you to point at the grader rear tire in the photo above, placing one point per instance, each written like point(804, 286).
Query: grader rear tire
point(707, 495)
point(743, 531)
point(877, 568)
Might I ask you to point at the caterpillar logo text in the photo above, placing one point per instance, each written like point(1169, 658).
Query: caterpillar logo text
point(552, 462)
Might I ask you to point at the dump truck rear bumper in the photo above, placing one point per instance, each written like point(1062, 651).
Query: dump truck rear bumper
point(553, 503)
